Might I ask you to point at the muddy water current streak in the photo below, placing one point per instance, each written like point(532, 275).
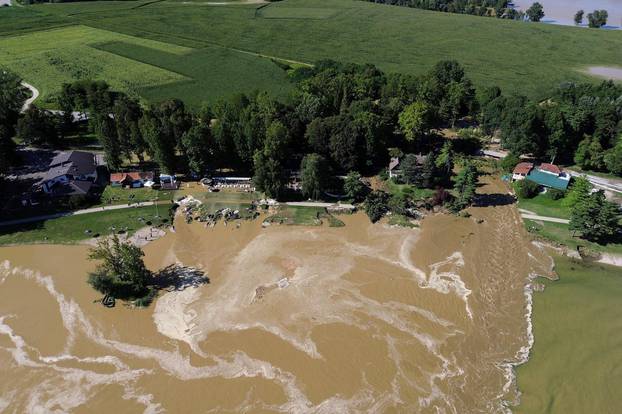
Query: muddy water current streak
point(364, 318)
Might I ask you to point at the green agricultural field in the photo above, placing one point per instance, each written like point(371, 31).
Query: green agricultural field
point(48, 58)
point(574, 367)
point(230, 46)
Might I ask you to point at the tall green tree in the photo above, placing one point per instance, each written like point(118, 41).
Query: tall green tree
point(598, 18)
point(269, 177)
point(353, 186)
point(415, 120)
point(595, 218)
point(578, 17)
point(579, 189)
point(314, 176)
point(613, 158)
point(12, 97)
point(127, 113)
point(37, 127)
point(465, 186)
point(121, 271)
point(535, 12)
point(376, 205)
point(107, 136)
point(198, 147)
point(445, 159)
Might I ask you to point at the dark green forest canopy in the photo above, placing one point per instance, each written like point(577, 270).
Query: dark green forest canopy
point(525, 58)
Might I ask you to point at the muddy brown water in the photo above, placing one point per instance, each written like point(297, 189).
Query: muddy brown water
point(369, 319)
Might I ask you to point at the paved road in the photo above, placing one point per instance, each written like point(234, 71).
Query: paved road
point(73, 213)
point(600, 182)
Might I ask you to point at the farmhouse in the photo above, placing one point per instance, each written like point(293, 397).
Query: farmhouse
point(70, 173)
point(521, 170)
point(546, 175)
point(395, 165)
point(132, 179)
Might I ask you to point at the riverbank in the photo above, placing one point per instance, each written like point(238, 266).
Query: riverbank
point(577, 323)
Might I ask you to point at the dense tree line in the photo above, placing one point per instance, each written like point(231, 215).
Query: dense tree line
point(12, 96)
point(489, 8)
point(578, 123)
point(340, 118)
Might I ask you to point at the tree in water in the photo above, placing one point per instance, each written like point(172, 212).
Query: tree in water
point(535, 12)
point(122, 272)
point(376, 205)
point(578, 17)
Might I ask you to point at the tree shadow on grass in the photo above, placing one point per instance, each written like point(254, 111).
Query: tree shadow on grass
point(177, 278)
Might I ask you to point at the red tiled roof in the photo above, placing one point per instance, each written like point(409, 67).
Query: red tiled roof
point(552, 168)
point(134, 175)
point(523, 168)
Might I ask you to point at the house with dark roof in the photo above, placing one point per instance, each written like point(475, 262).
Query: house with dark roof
point(70, 173)
point(395, 169)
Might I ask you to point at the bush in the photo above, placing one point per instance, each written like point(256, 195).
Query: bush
point(526, 189)
point(555, 194)
point(508, 163)
point(376, 205)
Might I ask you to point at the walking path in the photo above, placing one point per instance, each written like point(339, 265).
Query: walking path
point(526, 214)
point(318, 204)
point(29, 101)
point(74, 213)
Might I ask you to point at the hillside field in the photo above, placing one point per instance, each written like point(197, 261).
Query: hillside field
point(200, 52)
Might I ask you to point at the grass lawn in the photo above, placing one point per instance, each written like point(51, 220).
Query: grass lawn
point(295, 215)
point(559, 233)
point(71, 229)
point(407, 189)
point(544, 206)
point(119, 195)
point(400, 220)
point(199, 52)
point(574, 367)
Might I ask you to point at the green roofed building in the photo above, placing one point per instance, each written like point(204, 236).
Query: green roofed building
point(549, 175)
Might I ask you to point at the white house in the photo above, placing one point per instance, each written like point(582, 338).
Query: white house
point(73, 170)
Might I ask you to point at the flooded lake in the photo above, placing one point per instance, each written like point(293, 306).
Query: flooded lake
point(563, 11)
point(366, 318)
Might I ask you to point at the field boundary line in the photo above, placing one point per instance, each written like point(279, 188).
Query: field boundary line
point(207, 43)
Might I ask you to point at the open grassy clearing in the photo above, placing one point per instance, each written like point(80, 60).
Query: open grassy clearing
point(574, 367)
point(72, 229)
point(118, 195)
point(544, 206)
point(523, 57)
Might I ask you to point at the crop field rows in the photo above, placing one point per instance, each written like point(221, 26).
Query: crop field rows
point(201, 52)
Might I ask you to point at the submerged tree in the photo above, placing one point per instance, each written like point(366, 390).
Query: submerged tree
point(578, 17)
point(122, 272)
point(598, 18)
